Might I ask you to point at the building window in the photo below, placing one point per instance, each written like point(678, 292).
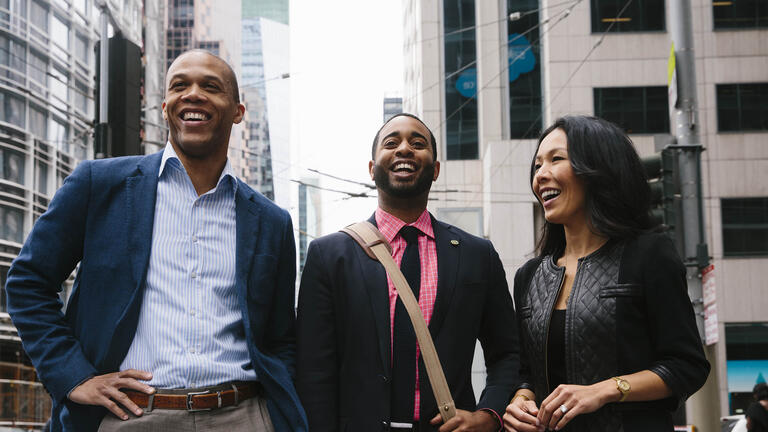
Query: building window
point(38, 122)
point(12, 226)
point(745, 226)
point(639, 15)
point(41, 178)
point(746, 352)
point(58, 134)
point(638, 110)
point(12, 165)
point(38, 68)
point(12, 109)
point(60, 38)
point(742, 107)
point(741, 14)
point(81, 48)
point(524, 70)
point(461, 80)
point(39, 15)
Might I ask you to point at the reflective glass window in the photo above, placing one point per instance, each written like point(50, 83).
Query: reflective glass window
point(60, 37)
point(12, 165)
point(740, 14)
point(12, 109)
point(81, 48)
point(38, 68)
point(39, 14)
point(746, 353)
point(524, 69)
point(461, 85)
point(12, 226)
point(637, 15)
point(59, 89)
point(38, 122)
point(745, 226)
point(638, 110)
point(57, 134)
point(41, 177)
point(742, 107)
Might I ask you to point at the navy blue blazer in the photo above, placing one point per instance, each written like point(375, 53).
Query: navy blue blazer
point(344, 351)
point(102, 217)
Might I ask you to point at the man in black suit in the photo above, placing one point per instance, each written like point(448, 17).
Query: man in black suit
point(358, 366)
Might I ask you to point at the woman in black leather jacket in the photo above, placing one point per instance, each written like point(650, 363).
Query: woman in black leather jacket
point(609, 340)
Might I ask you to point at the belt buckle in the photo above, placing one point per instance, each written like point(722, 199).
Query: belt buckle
point(190, 402)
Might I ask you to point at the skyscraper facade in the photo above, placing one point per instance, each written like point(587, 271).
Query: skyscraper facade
point(47, 69)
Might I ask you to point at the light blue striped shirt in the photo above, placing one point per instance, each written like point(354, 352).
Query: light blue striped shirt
point(190, 331)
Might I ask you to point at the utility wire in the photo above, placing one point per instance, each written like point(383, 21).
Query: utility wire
point(570, 77)
point(448, 76)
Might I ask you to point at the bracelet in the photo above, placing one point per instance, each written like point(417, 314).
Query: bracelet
point(518, 396)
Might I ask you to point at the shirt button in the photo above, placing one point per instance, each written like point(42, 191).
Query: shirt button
point(194, 239)
point(192, 350)
point(192, 312)
point(193, 275)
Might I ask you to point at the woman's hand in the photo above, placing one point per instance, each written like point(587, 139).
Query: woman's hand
point(520, 415)
point(577, 400)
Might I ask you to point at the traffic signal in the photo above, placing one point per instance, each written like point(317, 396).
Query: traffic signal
point(665, 188)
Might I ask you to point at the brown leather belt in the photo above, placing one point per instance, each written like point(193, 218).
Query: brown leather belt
point(198, 400)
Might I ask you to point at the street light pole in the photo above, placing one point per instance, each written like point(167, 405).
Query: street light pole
point(704, 407)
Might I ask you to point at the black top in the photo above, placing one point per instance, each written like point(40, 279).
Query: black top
point(556, 350)
point(759, 417)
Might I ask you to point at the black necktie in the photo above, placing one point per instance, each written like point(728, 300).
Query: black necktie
point(404, 338)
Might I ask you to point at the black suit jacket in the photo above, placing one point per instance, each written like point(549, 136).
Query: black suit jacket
point(343, 362)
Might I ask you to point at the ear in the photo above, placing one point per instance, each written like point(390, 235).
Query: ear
point(165, 114)
point(370, 168)
point(239, 114)
point(437, 170)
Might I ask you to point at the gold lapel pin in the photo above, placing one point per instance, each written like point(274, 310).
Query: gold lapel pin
point(455, 242)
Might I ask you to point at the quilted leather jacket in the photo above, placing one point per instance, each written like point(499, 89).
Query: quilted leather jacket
point(628, 311)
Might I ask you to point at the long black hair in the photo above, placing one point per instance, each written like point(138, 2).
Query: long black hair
point(617, 196)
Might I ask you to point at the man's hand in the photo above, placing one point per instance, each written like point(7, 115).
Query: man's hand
point(104, 390)
point(466, 421)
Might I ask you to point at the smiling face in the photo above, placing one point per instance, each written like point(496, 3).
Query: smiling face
point(199, 105)
point(556, 186)
point(404, 165)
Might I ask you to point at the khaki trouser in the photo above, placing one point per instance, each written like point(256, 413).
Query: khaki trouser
point(250, 415)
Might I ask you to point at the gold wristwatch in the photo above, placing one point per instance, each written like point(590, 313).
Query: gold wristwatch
point(623, 386)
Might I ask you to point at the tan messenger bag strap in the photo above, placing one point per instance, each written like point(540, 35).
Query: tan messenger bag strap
point(377, 247)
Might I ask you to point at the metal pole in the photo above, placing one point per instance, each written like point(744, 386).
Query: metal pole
point(702, 408)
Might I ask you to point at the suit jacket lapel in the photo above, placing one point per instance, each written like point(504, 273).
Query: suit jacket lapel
point(447, 268)
point(141, 194)
point(247, 214)
point(375, 281)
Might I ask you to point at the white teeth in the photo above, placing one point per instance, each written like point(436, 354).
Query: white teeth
point(549, 193)
point(190, 115)
point(406, 166)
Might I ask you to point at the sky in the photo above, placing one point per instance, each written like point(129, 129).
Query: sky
point(345, 56)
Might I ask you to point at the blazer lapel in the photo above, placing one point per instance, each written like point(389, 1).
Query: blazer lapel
point(375, 281)
point(247, 229)
point(447, 269)
point(141, 194)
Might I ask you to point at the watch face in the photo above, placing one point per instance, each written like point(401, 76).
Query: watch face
point(623, 386)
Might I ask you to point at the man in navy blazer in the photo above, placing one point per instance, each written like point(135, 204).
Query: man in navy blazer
point(106, 216)
point(353, 374)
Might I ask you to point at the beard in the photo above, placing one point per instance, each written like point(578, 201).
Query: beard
point(421, 185)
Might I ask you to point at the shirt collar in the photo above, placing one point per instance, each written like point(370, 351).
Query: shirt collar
point(170, 158)
point(390, 225)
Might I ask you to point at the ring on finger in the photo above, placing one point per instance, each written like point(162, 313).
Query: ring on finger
point(563, 409)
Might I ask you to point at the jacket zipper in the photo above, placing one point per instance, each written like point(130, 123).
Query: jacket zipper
point(546, 334)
